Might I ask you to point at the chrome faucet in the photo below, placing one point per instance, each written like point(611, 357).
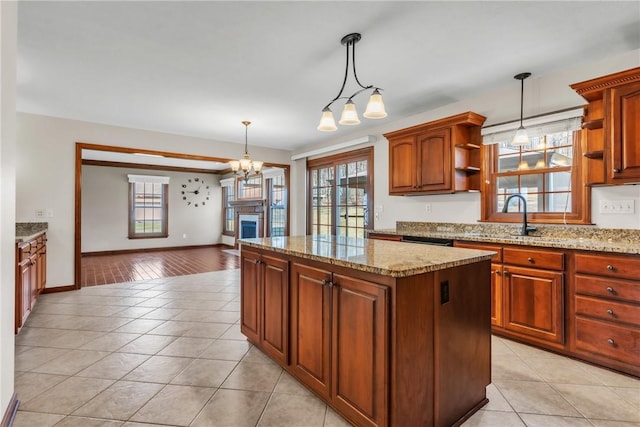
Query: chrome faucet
point(525, 228)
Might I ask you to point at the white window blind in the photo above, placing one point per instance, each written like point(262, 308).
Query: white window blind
point(151, 179)
point(564, 121)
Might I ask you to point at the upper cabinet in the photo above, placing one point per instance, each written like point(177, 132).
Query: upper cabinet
point(612, 127)
point(442, 156)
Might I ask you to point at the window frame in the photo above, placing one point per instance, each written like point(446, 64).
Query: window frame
point(580, 192)
point(164, 233)
point(333, 161)
point(226, 206)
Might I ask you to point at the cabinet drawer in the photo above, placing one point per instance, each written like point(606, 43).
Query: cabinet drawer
point(608, 310)
point(609, 266)
point(602, 287)
point(472, 245)
point(534, 258)
point(608, 339)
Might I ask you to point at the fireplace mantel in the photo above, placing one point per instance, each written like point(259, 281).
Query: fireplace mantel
point(247, 202)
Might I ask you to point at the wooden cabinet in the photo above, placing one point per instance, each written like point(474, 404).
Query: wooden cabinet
point(384, 236)
point(442, 156)
point(610, 127)
point(264, 293)
point(606, 310)
point(340, 341)
point(31, 276)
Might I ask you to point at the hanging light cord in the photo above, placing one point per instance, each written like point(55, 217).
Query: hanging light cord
point(246, 130)
point(521, 99)
point(352, 43)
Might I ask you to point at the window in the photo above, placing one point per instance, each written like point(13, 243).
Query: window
point(251, 188)
point(228, 212)
point(148, 208)
point(340, 194)
point(277, 203)
point(547, 173)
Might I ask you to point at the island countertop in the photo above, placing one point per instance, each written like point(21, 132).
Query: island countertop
point(394, 259)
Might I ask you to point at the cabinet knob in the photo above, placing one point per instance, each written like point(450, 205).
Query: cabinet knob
point(611, 341)
point(328, 283)
point(610, 312)
point(610, 289)
point(616, 170)
point(610, 267)
point(531, 260)
point(505, 273)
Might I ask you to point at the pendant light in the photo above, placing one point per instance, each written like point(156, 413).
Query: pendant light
point(521, 138)
point(375, 107)
point(245, 165)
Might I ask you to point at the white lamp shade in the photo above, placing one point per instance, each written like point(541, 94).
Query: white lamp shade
point(235, 165)
point(349, 114)
point(257, 165)
point(375, 107)
point(245, 163)
point(327, 122)
point(521, 138)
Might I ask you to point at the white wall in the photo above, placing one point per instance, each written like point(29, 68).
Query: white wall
point(543, 94)
point(8, 37)
point(45, 163)
point(105, 211)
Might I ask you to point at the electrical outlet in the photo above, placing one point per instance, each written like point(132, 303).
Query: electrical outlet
point(617, 206)
point(49, 213)
point(427, 207)
point(40, 213)
point(184, 236)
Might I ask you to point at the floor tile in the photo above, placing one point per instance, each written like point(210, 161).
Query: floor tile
point(33, 419)
point(207, 330)
point(484, 418)
point(174, 328)
point(147, 344)
point(67, 396)
point(205, 373)
point(71, 362)
point(332, 419)
point(536, 420)
point(561, 370)
point(120, 401)
point(162, 313)
point(114, 366)
point(186, 347)
point(284, 410)
point(253, 377)
point(30, 384)
point(111, 341)
point(609, 423)
point(497, 402)
point(158, 369)
point(226, 350)
point(535, 397)
point(507, 367)
point(72, 421)
point(598, 402)
point(232, 408)
point(174, 405)
point(288, 385)
point(140, 326)
point(33, 357)
point(233, 333)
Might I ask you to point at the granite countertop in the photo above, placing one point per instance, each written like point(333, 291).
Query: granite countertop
point(622, 241)
point(26, 231)
point(394, 259)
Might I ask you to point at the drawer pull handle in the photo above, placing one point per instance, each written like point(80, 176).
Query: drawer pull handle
point(610, 267)
point(531, 260)
point(611, 341)
point(610, 290)
point(616, 170)
point(610, 312)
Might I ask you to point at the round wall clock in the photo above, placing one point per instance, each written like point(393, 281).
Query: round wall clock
point(195, 192)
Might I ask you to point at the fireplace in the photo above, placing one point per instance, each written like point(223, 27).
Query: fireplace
point(248, 226)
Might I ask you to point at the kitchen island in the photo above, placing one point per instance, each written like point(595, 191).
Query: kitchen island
point(387, 333)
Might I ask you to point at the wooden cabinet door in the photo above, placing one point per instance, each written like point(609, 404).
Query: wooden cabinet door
point(42, 269)
point(624, 131)
point(533, 303)
point(250, 295)
point(360, 348)
point(310, 326)
point(275, 317)
point(434, 168)
point(496, 295)
point(402, 165)
point(26, 279)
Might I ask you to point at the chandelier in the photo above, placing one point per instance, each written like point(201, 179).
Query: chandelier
point(245, 164)
point(375, 107)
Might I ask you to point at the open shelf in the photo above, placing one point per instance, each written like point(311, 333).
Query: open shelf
point(468, 146)
point(593, 124)
point(468, 169)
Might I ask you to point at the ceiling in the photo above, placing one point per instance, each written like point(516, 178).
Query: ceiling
point(200, 68)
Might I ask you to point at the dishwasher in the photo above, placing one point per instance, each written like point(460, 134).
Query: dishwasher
point(428, 240)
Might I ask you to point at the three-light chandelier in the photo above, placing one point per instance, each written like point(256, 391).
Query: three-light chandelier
point(375, 107)
point(245, 164)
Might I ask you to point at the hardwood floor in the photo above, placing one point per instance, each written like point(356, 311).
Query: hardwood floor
point(130, 267)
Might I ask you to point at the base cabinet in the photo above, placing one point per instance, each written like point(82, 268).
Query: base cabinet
point(340, 341)
point(381, 351)
point(31, 276)
point(264, 292)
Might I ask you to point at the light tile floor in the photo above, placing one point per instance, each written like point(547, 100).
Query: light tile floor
point(169, 352)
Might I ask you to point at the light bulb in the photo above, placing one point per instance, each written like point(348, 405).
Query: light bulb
point(375, 107)
point(349, 114)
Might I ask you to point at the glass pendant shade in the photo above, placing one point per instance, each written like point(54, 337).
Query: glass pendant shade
point(521, 138)
point(349, 114)
point(235, 165)
point(257, 166)
point(375, 107)
point(327, 122)
point(245, 163)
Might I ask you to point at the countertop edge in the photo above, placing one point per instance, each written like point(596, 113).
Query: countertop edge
point(27, 238)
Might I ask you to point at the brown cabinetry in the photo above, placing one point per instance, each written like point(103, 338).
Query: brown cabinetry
point(340, 341)
point(264, 317)
point(610, 146)
point(442, 156)
point(606, 310)
point(31, 276)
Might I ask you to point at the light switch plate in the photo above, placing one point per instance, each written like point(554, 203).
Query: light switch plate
point(617, 206)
